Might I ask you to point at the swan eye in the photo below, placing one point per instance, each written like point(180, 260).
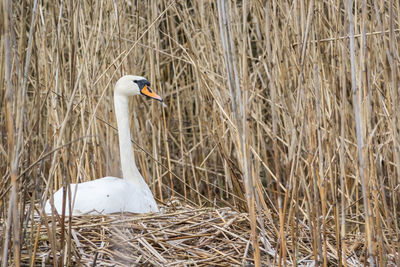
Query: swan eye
point(135, 81)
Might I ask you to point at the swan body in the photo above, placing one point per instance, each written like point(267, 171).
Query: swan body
point(106, 195)
point(112, 194)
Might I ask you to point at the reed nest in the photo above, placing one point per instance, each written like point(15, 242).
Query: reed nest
point(177, 236)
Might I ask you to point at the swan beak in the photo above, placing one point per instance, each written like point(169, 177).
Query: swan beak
point(149, 93)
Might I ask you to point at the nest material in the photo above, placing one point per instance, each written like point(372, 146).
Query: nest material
point(182, 236)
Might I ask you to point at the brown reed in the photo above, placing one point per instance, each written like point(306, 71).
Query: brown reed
point(285, 112)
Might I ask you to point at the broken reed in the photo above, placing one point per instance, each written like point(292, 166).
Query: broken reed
point(313, 86)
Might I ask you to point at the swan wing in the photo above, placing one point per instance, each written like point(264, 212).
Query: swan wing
point(104, 196)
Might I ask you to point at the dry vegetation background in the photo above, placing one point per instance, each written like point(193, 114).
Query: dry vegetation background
point(285, 110)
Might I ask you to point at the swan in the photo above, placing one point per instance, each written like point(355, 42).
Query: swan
point(111, 194)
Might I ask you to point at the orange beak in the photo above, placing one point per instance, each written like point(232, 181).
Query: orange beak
point(148, 92)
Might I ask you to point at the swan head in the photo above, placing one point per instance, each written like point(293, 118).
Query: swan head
point(130, 85)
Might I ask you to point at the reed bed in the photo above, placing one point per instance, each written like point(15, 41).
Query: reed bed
point(282, 115)
point(178, 236)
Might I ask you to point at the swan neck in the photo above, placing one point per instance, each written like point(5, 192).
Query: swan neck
point(129, 169)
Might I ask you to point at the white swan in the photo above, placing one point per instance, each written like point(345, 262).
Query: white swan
point(111, 194)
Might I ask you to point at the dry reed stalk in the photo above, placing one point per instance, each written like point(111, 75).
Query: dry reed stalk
point(12, 233)
point(360, 127)
point(239, 106)
point(342, 159)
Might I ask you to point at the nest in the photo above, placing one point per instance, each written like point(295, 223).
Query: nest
point(183, 236)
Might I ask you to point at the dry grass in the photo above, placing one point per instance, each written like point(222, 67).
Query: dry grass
point(179, 235)
point(287, 112)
